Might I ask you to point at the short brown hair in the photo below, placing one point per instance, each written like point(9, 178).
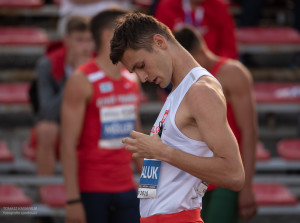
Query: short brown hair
point(189, 38)
point(135, 31)
point(105, 20)
point(77, 23)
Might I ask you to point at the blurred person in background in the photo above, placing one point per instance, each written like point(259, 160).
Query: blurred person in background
point(100, 106)
point(220, 204)
point(53, 70)
point(87, 8)
point(210, 17)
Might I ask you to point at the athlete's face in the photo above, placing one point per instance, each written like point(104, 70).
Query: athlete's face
point(154, 66)
point(80, 43)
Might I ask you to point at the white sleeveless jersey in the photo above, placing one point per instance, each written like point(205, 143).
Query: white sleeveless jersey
point(177, 189)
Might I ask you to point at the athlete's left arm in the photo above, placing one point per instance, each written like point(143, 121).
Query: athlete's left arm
point(238, 82)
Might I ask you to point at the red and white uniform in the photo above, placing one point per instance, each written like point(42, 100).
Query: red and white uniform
point(104, 164)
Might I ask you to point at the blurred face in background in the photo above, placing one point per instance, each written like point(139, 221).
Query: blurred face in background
point(79, 43)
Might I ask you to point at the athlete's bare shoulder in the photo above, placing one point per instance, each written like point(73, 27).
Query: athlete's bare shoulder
point(206, 86)
point(78, 84)
point(232, 70)
point(205, 95)
point(234, 75)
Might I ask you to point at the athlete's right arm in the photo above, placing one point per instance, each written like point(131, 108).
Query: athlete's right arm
point(77, 93)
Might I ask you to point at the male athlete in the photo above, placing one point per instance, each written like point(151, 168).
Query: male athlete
point(191, 143)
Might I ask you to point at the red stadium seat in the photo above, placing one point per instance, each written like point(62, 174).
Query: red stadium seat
point(5, 154)
point(13, 196)
point(53, 195)
point(11, 36)
point(17, 4)
point(273, 194)
point(262, 154)
point(267, 35)
point(28, 152)
point(289, 149)
point(16, 93)
point(277, 92)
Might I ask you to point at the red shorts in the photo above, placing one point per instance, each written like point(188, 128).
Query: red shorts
point(190, 216)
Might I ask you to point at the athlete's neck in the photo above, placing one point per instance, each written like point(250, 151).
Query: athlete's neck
point(208, 60)
point(183, 63)
point(105, 64)
point(74, 60)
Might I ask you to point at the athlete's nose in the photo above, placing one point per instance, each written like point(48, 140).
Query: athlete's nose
point(143, 76)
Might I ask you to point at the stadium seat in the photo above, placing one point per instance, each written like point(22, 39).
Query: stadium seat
point(5, 154)
point(262, 154)
point(273, 194)
point(277, 92)
point(28, 152)
point(12, 36)
point(13, 196)
point(267, 35)
point(17, 4)
point(16, 93)
point(289, 149)
point(267, 39)
point(53, 195)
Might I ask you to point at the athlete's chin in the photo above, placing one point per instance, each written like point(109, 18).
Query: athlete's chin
point(163, 85)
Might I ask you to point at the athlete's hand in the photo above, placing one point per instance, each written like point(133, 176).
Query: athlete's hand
point(144, 146)
point(247, 203)
point(75, 213)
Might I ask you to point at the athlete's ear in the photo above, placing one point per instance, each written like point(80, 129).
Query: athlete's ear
point(159, 41)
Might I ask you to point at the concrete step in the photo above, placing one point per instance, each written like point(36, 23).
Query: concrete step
point(17, 75)
point(275, 74)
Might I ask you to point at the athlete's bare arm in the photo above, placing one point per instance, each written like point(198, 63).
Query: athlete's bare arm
point(76, 96)
point(237, 81)
point(206, 108)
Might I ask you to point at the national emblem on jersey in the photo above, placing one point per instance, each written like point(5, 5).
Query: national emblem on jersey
point(106, 87)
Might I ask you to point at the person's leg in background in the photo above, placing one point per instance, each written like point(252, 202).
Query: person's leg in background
point(47, 136)
point(220, 205)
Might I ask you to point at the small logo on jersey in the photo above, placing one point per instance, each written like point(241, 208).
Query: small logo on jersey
point(106, 87)
point(165, 116)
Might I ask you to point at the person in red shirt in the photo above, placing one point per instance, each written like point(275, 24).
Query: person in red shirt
point(236, 82)
point(100, 106)
point(210, 17)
